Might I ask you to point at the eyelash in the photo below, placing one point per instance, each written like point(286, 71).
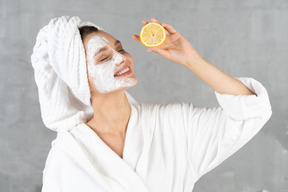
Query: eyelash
point(122, 50)
point(104, 59)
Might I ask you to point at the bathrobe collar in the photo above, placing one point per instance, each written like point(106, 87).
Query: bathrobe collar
point(118, 173)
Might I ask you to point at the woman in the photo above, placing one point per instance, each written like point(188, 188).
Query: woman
point(116, 144)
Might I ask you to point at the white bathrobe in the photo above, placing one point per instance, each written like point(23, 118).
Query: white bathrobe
point(167, 147)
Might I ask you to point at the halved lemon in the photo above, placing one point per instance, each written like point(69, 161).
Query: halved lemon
point(152, 35)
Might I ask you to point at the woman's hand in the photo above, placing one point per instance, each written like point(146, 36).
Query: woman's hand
point(175, 48)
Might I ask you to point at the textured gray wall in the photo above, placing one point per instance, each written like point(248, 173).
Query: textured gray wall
point(243, 38)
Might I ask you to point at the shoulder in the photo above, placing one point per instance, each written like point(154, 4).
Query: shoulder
point(172, 113)
point(61, 154)
point(56, 153)
point(170, 107)
point(175, 109)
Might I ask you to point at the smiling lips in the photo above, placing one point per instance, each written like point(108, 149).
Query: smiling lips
point(123, 72)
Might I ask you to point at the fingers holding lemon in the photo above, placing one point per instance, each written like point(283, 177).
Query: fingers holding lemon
point(163, 39)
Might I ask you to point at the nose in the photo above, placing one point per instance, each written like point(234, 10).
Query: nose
point(119, 59)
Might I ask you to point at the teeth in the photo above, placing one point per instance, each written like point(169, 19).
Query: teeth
point(123, 71)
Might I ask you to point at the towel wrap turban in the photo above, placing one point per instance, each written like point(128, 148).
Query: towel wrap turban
point(60, 73)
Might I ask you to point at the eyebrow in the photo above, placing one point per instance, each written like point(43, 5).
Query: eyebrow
point(105, 48)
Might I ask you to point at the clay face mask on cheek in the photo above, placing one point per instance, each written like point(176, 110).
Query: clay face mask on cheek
point(103, 74)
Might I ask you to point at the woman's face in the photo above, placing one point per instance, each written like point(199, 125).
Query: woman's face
point(110, 67)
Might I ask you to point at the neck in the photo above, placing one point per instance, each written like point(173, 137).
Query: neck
point(111, 113)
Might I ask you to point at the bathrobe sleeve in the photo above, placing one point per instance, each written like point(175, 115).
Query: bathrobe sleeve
point(214, 134)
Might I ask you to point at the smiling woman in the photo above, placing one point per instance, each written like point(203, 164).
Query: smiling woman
point(106, 141)
point(109, 66)
point(110, 73)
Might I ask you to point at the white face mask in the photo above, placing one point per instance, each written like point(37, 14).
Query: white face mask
point(103, 74)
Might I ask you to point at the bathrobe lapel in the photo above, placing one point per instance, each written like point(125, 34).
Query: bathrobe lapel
point(116, 172)
point(148, 123)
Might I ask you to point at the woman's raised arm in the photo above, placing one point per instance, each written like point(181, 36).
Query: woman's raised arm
point(177, 49)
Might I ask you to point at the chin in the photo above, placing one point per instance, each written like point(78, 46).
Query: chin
point(135, 82)
point(122, 89)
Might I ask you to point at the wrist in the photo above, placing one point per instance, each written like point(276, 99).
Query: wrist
point(194, 59)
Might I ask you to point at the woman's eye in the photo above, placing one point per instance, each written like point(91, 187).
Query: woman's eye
point(121, 50)
point(104, 59)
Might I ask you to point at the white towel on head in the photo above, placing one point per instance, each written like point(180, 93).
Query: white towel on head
point(60, 73)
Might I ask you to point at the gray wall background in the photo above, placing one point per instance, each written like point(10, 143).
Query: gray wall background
point(243, 38)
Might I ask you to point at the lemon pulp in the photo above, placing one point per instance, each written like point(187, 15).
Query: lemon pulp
point(152, 35)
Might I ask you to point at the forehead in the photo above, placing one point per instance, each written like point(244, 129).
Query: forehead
point(102, 35)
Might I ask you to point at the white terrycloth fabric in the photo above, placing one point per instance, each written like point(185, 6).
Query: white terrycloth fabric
point(167, 147)
point(60, 73)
